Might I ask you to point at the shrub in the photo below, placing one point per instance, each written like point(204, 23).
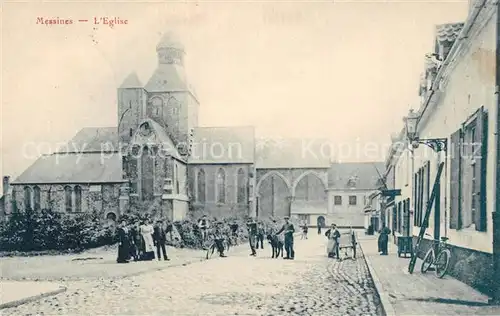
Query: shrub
point(49, 230)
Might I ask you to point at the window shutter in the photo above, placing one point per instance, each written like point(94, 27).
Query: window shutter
point(415, 199)
point(481, 152)
point(455, 166)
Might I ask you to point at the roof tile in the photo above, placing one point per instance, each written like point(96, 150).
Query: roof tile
point(74, 168)
point(214, 145)
point(364, 174)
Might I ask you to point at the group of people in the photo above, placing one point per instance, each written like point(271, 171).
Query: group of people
point(257, 232)
point(138, 241)
point(144, 241)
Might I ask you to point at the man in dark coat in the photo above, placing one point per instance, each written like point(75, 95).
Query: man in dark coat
point(252, 235)
point(289, 230)
point(134, 244)
point(261, 232)
point(123, 244)
point(160, 240)
point(383, 240)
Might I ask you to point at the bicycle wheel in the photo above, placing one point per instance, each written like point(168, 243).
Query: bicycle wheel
point(428, 261)
point(210, 251)
point(442, 263)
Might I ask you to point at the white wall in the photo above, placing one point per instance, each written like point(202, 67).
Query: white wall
point(470, 86)
point(345, 214)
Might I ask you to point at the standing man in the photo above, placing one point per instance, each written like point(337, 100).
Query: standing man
point(260, 235)
point(288, 230)
point(203, 225)
point(252, 235)
point(383, 240)
point(218, 234)
point(160, 239)
point(234, 233)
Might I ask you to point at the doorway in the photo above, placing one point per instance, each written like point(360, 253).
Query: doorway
point(321, 221)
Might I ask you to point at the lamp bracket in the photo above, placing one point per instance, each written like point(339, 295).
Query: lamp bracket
point(437, 144)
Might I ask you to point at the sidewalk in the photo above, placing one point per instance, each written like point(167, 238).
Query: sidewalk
point(402, 293)
point(14, 293)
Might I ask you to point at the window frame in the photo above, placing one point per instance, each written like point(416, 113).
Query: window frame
point(355, 200)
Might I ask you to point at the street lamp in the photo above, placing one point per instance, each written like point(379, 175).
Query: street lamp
point(411, 121)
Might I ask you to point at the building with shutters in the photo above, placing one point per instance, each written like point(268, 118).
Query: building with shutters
point(458, 104)
point(159, 160)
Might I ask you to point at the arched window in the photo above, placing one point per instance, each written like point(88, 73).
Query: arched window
point(14, 200)
point(147, 169)
point(242, 187)
point(68, 203)
point(111, 217)
point(221, 186)
point(36, 191)
point(176, 175)
point(27, 198)
point(201, 189)
point(78, 198)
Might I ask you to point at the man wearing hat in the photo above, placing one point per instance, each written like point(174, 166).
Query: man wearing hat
point(219, 238)
point(160, 240)
point(288, 229)
point(252, 235)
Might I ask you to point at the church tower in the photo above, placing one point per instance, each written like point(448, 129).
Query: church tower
point(171, 100)
point(132, 100)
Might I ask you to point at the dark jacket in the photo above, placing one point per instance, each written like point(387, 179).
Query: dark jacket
point(288, 229)
point(159, 235)
point(123, 236)
point(252, 228)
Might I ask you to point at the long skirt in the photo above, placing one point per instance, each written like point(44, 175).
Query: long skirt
point(149, 247)
point(123, 253)
point(332, 247)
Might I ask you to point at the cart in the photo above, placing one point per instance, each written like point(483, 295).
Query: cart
point(347, 245)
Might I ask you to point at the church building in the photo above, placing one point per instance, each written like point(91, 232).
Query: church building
point(159, 160)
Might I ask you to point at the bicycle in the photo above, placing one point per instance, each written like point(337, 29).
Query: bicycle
point(441, 260)
point(213, 247)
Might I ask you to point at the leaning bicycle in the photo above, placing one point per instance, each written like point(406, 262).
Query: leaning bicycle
point(440, 259)
point(212, 248)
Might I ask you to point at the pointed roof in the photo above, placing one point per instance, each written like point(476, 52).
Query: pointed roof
point(167, 78)
point(170, 40)
point(91, 156)
point(132, 81)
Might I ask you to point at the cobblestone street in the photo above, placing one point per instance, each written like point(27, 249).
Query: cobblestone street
point(237, 285)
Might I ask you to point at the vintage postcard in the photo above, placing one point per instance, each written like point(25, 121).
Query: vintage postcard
point(315, 158)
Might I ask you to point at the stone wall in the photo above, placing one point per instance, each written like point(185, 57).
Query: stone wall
point(210, 206)
point(101, 198)
point(292, 176)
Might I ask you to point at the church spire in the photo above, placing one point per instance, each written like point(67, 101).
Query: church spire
point(132, 81)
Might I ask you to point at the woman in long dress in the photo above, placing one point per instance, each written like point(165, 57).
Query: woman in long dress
point(147, 231)
point(333, 236)
point(124, 244)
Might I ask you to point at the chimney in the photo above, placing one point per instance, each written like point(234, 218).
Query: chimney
point(6, 184)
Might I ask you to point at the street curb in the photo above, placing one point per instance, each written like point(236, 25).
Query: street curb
point(32, 298)
point(384, 297)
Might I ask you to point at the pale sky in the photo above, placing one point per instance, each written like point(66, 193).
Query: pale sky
point(348, 71)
